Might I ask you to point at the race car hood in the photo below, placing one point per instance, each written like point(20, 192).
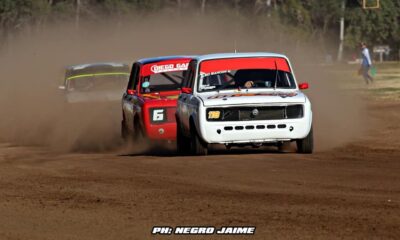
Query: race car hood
point(99, 96)
point(246, 98)
point(160, 100)
point(151, 98)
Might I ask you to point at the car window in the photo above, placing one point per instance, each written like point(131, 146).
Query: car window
point(162, 82)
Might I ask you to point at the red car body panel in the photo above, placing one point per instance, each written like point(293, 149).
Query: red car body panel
point(154, 111)
point(165, 130)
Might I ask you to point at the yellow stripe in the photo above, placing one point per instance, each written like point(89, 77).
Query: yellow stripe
point(97, 74)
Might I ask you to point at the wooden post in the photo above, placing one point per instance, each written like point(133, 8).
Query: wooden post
point(341, 37)
point(77, 13)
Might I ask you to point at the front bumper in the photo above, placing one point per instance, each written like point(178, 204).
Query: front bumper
point(166, 132)
point(255, 131)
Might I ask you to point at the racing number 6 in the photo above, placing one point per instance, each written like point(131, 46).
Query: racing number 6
point(158, 115)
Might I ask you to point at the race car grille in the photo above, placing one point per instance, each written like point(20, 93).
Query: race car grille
point(255, 113)
point(162, 115)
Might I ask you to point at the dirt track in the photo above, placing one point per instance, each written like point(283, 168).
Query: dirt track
point(349, 192)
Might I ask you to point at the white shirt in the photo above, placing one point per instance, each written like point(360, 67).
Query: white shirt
point(366, 59)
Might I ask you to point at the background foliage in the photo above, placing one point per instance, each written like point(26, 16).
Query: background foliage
point(307, 19)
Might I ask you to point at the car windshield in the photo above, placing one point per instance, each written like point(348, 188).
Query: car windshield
point(97, 77)
point(98, 83)
point(163, 76)
point(245, 73)
point(246, 78)
point(167, 81)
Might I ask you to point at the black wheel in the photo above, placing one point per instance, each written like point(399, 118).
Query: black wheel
point(283, 147)
point(198, 146)
point(124, 131)
point(182, 142)
point(138, 134)
point(306, 145)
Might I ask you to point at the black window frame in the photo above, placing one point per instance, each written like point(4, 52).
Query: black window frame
point(132, 84)
point(191, 72)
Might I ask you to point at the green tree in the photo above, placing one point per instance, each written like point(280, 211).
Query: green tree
point(375, 26)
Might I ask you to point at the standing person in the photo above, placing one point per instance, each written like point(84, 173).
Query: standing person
point(365, 64)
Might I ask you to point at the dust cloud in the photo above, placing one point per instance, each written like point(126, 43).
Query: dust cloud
point(33, 110)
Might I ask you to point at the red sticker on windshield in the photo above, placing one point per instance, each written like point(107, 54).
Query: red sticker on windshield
point(219, 65)
point(165, 66)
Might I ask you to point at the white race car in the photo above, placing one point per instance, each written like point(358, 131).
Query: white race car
point(240, 99)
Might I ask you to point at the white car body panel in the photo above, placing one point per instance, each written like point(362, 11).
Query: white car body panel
point(214, 132)
point(301, 127)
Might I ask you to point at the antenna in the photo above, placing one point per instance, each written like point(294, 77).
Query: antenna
point(234, 46)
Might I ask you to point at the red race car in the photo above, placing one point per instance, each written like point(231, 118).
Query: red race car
point(149, 103)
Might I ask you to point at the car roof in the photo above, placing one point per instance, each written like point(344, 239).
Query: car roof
point(238, 55)
point(100, 64)
point(163, 58)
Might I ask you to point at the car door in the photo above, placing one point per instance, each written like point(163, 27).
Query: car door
point(130, 97)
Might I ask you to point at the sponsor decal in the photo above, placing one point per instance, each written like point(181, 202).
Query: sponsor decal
point(151, 96)
point(203, 230)
point(202, 74)
point(173, 65)
point(172, 97)
point(214, 114)
point(169, 67)
point(158, 115)
point(221, 65)
point(253, 94)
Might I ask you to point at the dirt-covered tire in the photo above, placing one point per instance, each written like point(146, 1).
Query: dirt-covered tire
point(197, 145)
point(124, 131)
point(306, 145)
point(138, 134)
point(182, 142)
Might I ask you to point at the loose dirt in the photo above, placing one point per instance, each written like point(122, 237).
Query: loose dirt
point(349, 192)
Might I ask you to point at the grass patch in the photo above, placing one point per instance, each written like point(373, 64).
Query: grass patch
point(385, 90)
point(387, 65)
point(388, 77)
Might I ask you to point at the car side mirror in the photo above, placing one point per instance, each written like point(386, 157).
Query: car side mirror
point(62, 87)
point(303, 86)
point(187, 90)
point(130, 92)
